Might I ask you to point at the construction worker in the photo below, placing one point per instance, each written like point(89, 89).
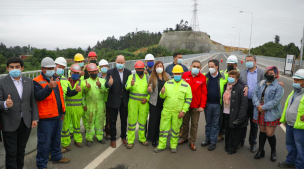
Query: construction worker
point(92, 58)
point(138, 106)
point(178, 96)
point(74, 109)
point(94, 103)
point(79, 59)
point(61, 63)
point(149, 61)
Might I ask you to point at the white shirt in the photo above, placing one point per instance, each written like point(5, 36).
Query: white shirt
point(121, 75)
point(19, 86)
point(215, 75)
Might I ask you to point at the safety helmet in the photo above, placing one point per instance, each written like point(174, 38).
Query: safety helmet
point(78, 57)
point(92, 67)
point(149, 57)
point(177, 69)
point(139, 64)
point(103, 62)
point(75, 68)
point(232, 59)
point(61, 61)
point(92, 54)
point(299, 74)
point(47, 62)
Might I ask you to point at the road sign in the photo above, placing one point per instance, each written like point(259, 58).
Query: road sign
point(288, 63)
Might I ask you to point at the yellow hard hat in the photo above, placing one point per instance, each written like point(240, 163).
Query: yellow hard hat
point(78, 57)
point(177, 69)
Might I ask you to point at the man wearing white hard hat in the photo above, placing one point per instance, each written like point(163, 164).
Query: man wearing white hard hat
point(61, 63)
point(293, 118)
point(149, 61)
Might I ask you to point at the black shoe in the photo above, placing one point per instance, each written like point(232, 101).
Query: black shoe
point(240, 145)
point(205, 143)
point(154, 143)
point(273, 155)
point(230, 152)
point(253, 148)
point(212, 147)
point(260, 154)
point(285, 165)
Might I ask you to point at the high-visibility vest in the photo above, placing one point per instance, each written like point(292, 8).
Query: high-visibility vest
point(78, 98)
point(139, 90)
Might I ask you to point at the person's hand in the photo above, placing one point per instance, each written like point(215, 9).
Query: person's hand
point(132, 81)
point(181, 114)
point(34, 124)
point(200, 109)
point(85, 66)
point(145, 72)
point(85, 108)
point(78, 88)
point(149, 88)
point(281, 83)
point(246, 91)
point(302, 118)
point(143, 101)
point(9, 102)
point(260, 108)
point(88, 84)
point(81, 73)
point(163, 90)
point(62, 117)
point(98, 83)
point(52, 83)
point(111, 80)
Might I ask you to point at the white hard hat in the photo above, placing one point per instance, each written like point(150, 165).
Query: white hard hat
point(299, 74)
point(232, 59)
point(61, 61)
point(149, 57)
point(103, 62)
point(48, 62)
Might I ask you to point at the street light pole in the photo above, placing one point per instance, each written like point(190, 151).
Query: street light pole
point(251, 28)
point(239, 37)
point(302, 46)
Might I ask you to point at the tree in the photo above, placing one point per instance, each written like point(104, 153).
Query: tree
point(2, 64)
point(277, 39)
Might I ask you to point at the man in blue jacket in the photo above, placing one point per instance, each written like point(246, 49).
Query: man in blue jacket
point(178, 59)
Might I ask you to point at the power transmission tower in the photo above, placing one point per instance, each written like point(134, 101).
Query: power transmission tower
point(194, 20)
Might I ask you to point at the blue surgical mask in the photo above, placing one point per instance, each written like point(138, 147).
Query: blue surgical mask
point(15, 73)
point(249, 64)
point(231, 80)
point(296, 85)
point(179, 61)
point(195, 71)
point(177, 77)
point(81, 64)
point(49, 73)
point(119, 66)
point(60, 71)
point(75, 76)
point(104, 70)
point(150, 64)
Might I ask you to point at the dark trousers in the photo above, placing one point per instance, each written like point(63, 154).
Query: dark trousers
point(14, 144)
point(212, 116)
point(107, 128)
point(154, 122)
point(123, 120)
point(194, 115)
point(232, 135)
point(253, 126)
point(49, 140)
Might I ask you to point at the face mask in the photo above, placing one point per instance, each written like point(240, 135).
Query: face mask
point(139, 73)
point(80, 64)
point(296, 85)
point(59, 71)
point(93, 76)
point(269, 78)
point(249, 64)
point(104, 70)
point(159, 70)
point(179, 61)
point(119, 66)
point(75, 76)
point(212, 70)
point(49, 73)
point(150, 64)
point(93, 61)
point(195, 71)
point(15, 72)
point(177, 77)
point(231, 80)
point(230, 67)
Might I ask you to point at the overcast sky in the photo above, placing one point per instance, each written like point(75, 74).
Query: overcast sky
point(80, 23)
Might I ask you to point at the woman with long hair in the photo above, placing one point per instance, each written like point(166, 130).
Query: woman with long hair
point(157, 80)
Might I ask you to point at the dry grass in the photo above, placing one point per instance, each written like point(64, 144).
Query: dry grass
point(143, 49)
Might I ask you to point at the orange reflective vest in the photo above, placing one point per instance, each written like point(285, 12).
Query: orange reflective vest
point(48, 107)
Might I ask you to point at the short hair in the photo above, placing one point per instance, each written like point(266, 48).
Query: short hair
point(196, 61)
point(235, 73)
point(175, 54)
point(216, 62)
point(254, 57)
point(14, 60)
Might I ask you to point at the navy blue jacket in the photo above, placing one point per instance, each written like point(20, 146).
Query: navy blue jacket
point(170, 67)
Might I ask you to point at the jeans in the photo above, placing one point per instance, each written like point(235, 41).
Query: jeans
point(212, 116)
point(295, 146)
point(253, 126)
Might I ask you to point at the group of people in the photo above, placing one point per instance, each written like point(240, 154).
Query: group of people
point(172, 98)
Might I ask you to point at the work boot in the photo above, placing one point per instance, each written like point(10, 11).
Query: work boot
point(64, 160)
point(89, 143)
point(79, 145)
point(181, 132)
point(145, 143)
point(173, 150)
point(103, 141)
point(286, 165)
point(124, 141)
point(182, 141)
point(130, 146)
point(108, 137)
point(63, 150)
point(67, 148)
point(220, 137)
point(71, 135)
point(113, 144)
point(158, 150)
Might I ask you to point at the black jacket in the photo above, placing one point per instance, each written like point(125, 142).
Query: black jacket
point(238, 105)
point(117, 90)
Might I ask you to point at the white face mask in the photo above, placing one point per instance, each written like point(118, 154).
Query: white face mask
point(159, 70)
point(212, 70)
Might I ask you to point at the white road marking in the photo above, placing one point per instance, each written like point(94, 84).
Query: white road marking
point(207, 63)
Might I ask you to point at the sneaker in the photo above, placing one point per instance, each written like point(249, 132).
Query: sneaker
point(89, 143)
point(64, 160)
point(103, 141)
point(205, 143)
point(158, 150)
point(173, 150)
point(286, 165)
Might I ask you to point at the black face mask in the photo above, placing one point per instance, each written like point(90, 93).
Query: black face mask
point(93, 76)
point(93, 61)
point(269, 78)
point(139, 73)
point(230, 67)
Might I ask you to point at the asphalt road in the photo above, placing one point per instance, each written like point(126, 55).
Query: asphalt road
point(105, 157)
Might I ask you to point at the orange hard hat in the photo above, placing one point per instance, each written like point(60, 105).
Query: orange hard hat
point(75, 68)
point(139, 64)
point(92, 67)
point(92, 54)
